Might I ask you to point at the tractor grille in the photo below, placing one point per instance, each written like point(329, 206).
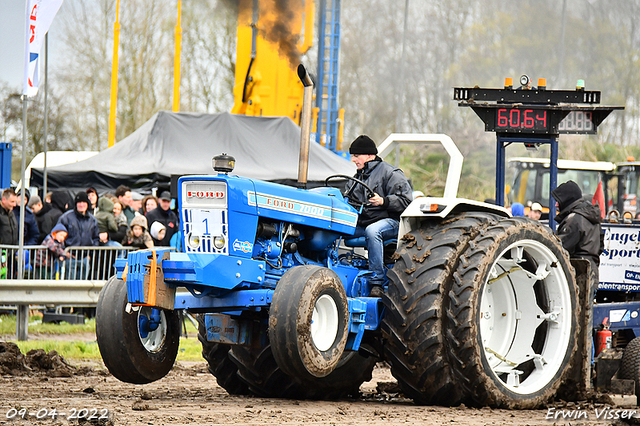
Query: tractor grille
point(204, 225)
point(205, 215)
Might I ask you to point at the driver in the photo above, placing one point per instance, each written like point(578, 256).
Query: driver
point(380, 215)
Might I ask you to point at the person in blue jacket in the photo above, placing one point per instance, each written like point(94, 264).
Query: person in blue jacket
point(82, 228)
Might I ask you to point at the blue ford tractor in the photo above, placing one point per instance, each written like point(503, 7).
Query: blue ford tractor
point(479, 307)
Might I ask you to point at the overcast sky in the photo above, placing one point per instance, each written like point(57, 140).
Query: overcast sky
point(12, 33)
point(12, 29)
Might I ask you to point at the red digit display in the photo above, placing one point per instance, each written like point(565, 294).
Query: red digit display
point(514, 118)
point(542, 118)
point(528, 119)
point(521, 119)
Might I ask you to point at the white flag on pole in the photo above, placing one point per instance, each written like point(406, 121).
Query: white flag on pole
point(40, 14)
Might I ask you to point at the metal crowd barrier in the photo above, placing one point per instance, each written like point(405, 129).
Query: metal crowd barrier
point(79, 263)
point(74, 280)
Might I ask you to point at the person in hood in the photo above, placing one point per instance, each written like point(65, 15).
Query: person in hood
point(93, 198)
point(380, 216)
point(579, 225)
point(138, 236)
point(54, 242)
point(517, 210)
point(106, 221)
point(41, 215)
point(48, 216)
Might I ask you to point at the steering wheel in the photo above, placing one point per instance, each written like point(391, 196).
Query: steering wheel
point(368, 191)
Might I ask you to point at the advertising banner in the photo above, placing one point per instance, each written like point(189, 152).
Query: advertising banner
point(40, 14)
point(620, 260)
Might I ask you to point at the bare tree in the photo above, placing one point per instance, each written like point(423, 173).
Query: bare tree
point(146, 53)
point(12, 118)
point(83, 70)
point(209, 43)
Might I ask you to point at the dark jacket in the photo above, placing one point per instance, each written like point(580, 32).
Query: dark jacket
point(83, 229)
point(40, 220)
point(9, 232)
point(106, 219)
point(166, 217)
point(48, 219)
point(31, 230)
point(388, 182)
point(129, 213)
point(578, 225)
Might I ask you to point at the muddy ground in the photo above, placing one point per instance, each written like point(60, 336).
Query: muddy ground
point(45, 385)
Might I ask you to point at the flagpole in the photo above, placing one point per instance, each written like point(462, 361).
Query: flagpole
point(40, 15)
point(114, 77)
point(176, 61)
point(46, 114)
point(23, 310)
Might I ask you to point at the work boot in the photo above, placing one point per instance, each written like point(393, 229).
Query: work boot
point(376, 291)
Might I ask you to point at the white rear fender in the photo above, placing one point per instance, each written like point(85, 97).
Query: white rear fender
point(436, 209)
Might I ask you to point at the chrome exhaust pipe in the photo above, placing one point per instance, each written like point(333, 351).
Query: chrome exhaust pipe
point(305, 126)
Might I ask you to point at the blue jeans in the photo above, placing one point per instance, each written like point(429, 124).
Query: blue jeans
point(376, 233)
point(77, 269)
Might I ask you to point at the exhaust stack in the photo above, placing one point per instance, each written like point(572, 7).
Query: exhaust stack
point(305, 126)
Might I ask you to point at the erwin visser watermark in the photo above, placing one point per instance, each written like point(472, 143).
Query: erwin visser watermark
point(604, 413)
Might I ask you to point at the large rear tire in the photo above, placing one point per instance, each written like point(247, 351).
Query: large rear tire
point(245, 371)
point(220, 362)
point(259, 370)
point(130, 352)
point(630, 363)
point(412, 325)
point(512, 316)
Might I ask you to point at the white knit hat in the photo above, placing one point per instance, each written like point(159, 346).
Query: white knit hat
point(156, 228)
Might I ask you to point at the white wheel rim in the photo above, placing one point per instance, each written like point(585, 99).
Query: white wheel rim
point(155, 339)
point(513, 322)
point(324, 322)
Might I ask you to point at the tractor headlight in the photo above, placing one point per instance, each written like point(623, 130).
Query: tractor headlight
point(193, 241)
point(218, 242)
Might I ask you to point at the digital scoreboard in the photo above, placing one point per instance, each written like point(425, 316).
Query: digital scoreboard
point(516, 119)
point(535, 111)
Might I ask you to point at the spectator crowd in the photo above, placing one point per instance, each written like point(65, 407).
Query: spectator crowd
point(121, 218)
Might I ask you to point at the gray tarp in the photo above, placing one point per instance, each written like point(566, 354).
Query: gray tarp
point(266, 148)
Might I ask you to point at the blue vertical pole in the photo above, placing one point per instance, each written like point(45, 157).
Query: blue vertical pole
point(334, 65)
point(553, 181)
point(321, 71)
point(500, 170)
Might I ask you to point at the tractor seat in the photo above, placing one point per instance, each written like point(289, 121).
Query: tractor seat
point(362, 242)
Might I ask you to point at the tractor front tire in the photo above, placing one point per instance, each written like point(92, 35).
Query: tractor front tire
point(128, 354)
point(309, 321)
